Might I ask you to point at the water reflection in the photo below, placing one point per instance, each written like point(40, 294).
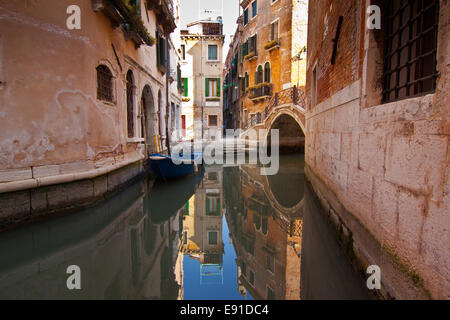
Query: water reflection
point(228, 233)
point(266, 227)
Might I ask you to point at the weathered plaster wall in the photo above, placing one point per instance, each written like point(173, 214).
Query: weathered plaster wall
point(49, 111)
point(385, 164)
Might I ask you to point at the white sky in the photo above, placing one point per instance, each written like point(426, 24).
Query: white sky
point(192, 10)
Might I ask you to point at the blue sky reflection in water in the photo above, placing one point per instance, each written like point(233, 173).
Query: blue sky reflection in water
point(213, 288)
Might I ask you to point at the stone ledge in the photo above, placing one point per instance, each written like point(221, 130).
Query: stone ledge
point(31, 183)
point(17, 208)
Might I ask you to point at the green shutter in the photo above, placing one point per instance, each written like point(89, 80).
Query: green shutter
point(218, 87)
point(207, 87)
point(186, 89)
point(255, 44)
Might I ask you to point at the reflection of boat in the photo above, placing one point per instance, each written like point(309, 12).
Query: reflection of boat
point(166, 198)
point(167, 168)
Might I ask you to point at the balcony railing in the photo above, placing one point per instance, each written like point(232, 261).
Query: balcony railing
point(294, 95)
point(212, 29)
point(261, 91)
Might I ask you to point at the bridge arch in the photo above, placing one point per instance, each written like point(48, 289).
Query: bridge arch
point(290, 123)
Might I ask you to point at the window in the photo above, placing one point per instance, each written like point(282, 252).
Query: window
point(104, 83)
point(252, 278)
point(130, 104)
point(179, 81)
point(212, 52)
point(243, 84)
point(244, 269)
point(161, 52)
point(185, 237)
point(212, 121)
point(265, 221)
point(270, 263)
point(270, 294)
point(274, 30)
point(212, 87)
point(267, 72)
point(252, 44)
point(212, 176)
point(183, 52)
point(212, 237)
point(259, 75)
point(254, 8)
point(410, 48)
point(314, 87)
point(186, 89)
point(245, 16)
point(247, 80)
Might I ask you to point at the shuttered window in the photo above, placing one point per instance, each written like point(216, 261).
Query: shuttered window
point(212, 87)
point(212, 52)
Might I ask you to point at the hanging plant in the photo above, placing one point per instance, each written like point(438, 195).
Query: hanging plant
point(133, 21)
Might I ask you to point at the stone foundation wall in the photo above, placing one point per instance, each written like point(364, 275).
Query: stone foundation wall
point(33, 204)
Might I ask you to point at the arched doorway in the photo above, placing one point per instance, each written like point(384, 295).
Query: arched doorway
point(149, 119)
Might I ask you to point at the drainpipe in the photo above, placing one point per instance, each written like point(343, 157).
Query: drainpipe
point(167, 93)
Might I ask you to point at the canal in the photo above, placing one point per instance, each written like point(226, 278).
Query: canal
point(227, 233)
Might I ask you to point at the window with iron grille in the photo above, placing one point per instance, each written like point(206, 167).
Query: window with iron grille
point(130, 104)
point(410, 48)
point(104, 83)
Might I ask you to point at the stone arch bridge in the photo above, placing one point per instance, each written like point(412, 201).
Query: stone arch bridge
point(286, 112)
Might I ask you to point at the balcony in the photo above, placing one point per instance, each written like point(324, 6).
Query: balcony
point(165, 13)
point(272, 45)
point(251, 56)
point(212, 28)
point(122, 14)
point(260, 92)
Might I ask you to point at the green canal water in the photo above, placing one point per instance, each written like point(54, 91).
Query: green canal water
point(228, 233)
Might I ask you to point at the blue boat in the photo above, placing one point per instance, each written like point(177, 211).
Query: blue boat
point(169, 168)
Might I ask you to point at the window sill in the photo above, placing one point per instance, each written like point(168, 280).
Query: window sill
point(108, 103)
point(135, 140)
point(213, 99)
point(212, 61)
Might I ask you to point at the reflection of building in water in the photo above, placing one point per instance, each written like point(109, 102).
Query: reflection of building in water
point(265, 235)
point(202, 227)
point(122, 254)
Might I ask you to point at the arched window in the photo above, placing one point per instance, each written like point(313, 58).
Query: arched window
point(247, 80)
point(104, 83)
point(259, 75)
point(130, 104)
point(267, 72)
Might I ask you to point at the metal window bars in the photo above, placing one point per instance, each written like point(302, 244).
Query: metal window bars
point(104, 83)
point(410, 49)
